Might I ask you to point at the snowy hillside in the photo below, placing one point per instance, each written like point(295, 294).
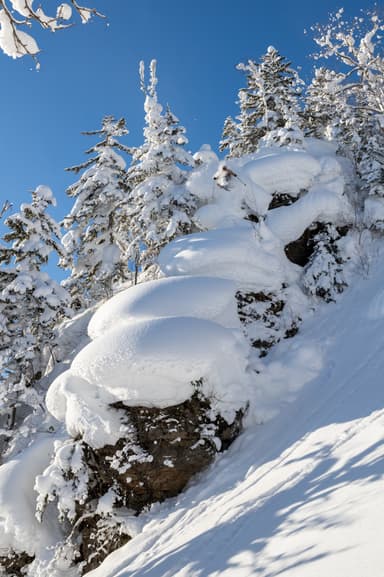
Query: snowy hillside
point(233, 334)
point(201, 396)
point(302, 495)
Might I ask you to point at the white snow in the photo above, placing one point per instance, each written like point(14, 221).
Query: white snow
point(300, 492)
point(320, 204)
point(84, 408)
point(374, 211)
point(201, 297)
point(19, 529)
point(302, 495)
point(234, 187)
point(284, 172)
point(15, 45)
point(153, 362)
point(246, 254)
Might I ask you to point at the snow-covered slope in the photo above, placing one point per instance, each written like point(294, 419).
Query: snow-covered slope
point(301, 495)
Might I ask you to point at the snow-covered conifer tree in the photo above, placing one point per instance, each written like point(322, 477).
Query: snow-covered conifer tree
point(356, 46)
point(161, 206)
point(281, 91)
point(269, 107)
point(323, 276)
point(324, 101)
point(31, 304)
point(229, 137)
point(96, 239)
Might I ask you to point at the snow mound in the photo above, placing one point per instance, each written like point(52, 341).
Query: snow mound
point(302, 495)
point(84, 408)
point(19, 529)
point(283, 172)
point(320, 204)
point(154, 362)
point(245, 254)
point(201, 297)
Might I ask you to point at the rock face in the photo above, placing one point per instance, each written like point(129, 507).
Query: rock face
point(14, 564)
point(165, 449)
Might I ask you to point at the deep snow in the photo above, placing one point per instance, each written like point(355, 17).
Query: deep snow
point(294, 496)
point(301, 495)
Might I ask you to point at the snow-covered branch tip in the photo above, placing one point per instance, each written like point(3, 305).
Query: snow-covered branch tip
point(5, 208)
point(18, 14)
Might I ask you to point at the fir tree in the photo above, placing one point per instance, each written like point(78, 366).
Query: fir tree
point(31, 304)
point(324, 97)
point(269, 107)
point(229, 137)
point(323, 276)
point(281, 91)
point(356, 46)
point(161, 206)
point(96, 241)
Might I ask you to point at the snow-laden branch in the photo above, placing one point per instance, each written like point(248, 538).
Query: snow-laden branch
point(18, 15)
point(358, 45)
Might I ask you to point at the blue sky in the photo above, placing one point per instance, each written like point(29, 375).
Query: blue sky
point(91, 70)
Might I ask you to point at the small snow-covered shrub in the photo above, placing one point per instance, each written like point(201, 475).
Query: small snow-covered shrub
point(323, 277)
point(65, 481)
point(267, 317)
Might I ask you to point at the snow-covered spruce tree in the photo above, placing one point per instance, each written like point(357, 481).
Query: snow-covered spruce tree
point(269, 107)
point(323, 276)
point(324, 96)
point(357, 46)
point(161, 207)
point(31, 305)
point(96, 239)
point(282, 88)
point(229, 137)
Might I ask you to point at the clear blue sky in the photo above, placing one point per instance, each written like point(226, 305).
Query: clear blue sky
point(91, 70)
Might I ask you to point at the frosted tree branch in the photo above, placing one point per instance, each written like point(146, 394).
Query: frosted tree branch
point(358, 45)
point(16, 16)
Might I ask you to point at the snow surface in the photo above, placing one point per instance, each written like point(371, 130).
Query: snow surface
point(251, 184)
point(263, 508)
point(247, 254)
point(302, 495)
point(201, 297)
point(19, 528)
point(320, 204)
point(154, 362)
point(286, 172)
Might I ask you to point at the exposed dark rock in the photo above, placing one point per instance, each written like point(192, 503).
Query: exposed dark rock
point(169, 447)
point(281, 200)
point(99, 537)
point(163, 451)
point(14, 564)
point(300, 250)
